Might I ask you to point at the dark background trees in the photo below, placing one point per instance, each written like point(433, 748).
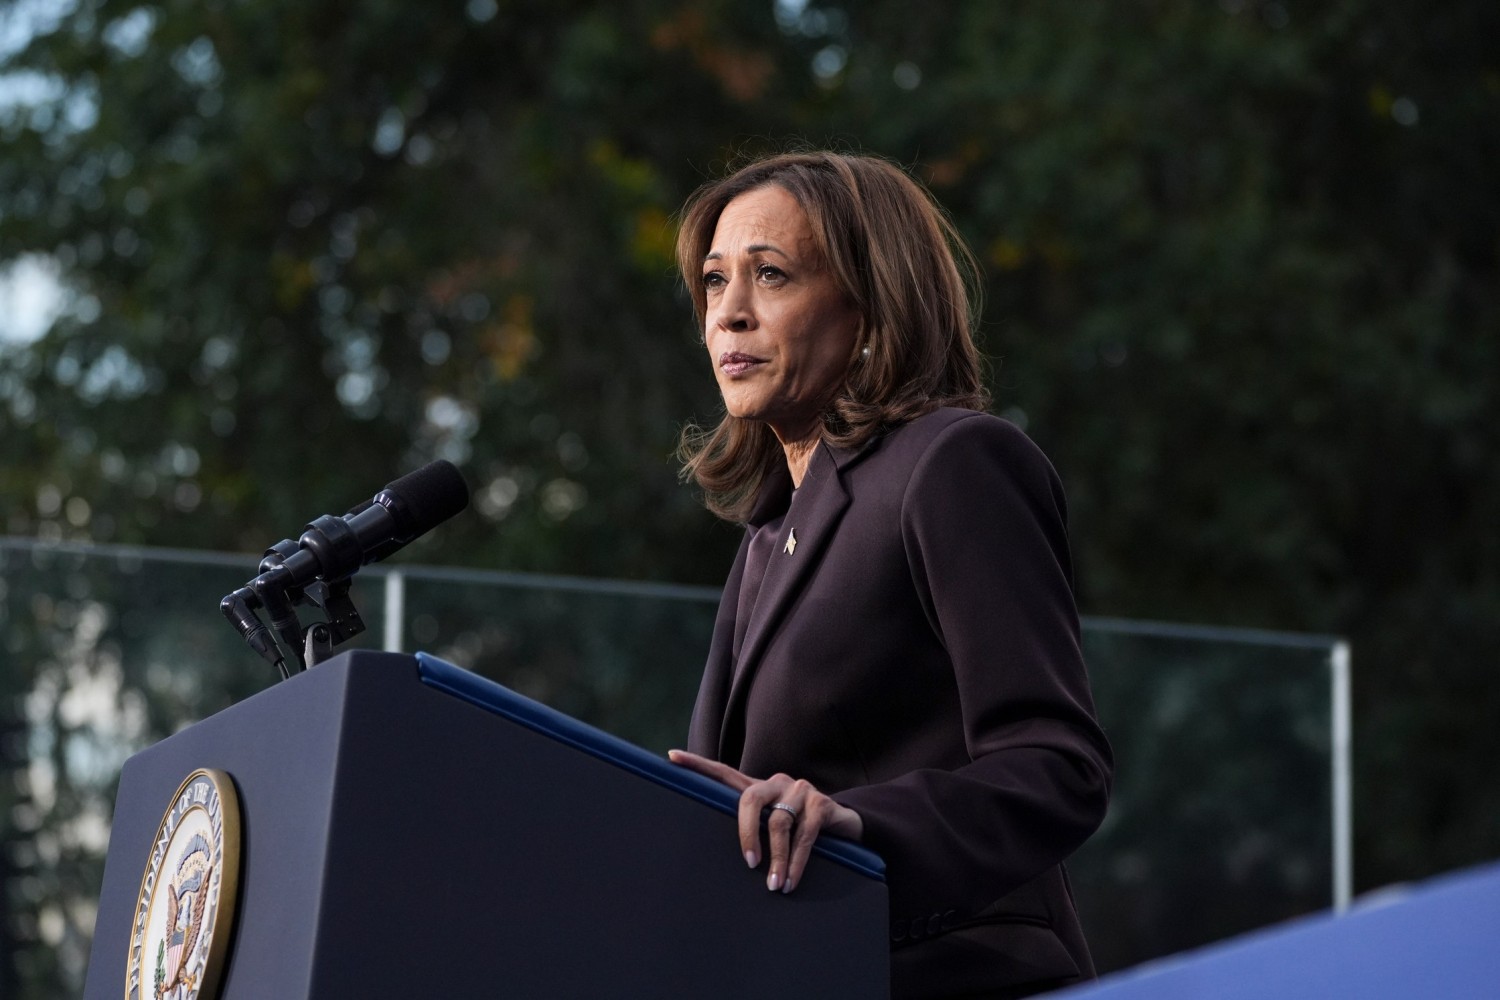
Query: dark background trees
point(1242, 286)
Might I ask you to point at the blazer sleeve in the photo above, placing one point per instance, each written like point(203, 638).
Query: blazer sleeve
point(983, 523)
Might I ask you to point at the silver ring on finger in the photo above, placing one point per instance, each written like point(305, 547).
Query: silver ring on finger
point(786, 809)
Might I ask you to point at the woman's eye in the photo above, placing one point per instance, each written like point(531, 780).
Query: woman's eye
point(713, 279)
point(766, 272)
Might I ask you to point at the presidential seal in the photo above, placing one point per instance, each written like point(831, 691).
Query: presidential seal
point(185, 911)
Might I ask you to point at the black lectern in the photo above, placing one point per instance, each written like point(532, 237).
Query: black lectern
point(412, 830)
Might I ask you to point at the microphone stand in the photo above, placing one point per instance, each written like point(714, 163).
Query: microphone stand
point(343, 621)
point(317, 567)
point(286, 642)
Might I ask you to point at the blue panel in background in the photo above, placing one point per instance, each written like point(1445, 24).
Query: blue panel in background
point(1440, 939)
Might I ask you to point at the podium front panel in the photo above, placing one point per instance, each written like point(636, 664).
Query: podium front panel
point(400, 841)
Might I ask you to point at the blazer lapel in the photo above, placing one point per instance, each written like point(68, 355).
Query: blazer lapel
point(812, 519)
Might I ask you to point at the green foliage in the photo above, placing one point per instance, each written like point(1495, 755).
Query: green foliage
point(1242, 287)
point(314, 245)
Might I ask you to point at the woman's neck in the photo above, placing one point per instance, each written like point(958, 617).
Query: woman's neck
point(798, 454)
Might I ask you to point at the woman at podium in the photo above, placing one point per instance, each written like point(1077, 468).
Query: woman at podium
point(896, 656)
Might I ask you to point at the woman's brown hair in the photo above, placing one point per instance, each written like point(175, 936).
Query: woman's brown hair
point(898, 258)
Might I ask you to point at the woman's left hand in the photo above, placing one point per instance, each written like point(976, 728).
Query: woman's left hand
point(798, 813)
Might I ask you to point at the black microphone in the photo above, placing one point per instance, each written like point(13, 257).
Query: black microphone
point(334, 548)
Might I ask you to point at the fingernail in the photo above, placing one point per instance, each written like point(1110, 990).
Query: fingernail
point(774, 882)
point(751, 859)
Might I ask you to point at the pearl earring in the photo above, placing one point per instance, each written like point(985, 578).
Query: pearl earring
point(865, 353)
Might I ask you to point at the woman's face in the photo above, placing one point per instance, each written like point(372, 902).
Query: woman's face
point(779, 331)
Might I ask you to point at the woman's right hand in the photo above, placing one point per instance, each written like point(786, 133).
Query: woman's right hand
point(797, 814)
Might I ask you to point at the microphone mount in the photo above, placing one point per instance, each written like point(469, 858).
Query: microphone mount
point(286, 644)
point(318, 567)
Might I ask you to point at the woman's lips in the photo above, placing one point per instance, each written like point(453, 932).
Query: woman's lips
point(734, 363)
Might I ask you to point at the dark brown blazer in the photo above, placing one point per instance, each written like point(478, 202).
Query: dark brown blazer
point(916, 655)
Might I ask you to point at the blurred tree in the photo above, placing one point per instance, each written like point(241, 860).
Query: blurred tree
point(326, 243)
point(1243, 288)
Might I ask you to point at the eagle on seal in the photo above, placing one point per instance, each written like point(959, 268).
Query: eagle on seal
point(187, 897)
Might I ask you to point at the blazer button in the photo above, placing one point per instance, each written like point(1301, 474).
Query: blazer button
point(898, 931)
point(948, 920)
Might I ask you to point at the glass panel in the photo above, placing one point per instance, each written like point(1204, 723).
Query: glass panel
point(103, 656)
point(624, 659)
point(106, 651)
point(1220, 820)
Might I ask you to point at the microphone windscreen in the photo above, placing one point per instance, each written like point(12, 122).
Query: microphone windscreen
point(428, 497)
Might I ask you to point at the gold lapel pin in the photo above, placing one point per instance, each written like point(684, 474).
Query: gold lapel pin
point(791, 542)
